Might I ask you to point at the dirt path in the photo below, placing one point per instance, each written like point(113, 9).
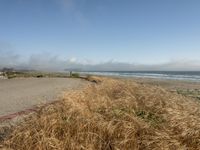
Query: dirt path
point(19, 94)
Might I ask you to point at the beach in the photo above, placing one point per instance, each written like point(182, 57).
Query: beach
point(184, 87)
point(112, 113)
point(19, 94)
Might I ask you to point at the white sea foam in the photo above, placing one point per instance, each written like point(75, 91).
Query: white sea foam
point(187, 76)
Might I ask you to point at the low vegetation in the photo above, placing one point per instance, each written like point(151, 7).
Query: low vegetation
point(34, 74)
point(112, 115)
point(75, 75)
point(194, 93)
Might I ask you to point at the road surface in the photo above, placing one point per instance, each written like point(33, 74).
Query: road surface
point(19, 94)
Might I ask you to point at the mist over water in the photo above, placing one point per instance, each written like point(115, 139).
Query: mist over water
point(48, 62)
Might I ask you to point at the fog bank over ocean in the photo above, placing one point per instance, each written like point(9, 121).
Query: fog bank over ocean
point(47, 62)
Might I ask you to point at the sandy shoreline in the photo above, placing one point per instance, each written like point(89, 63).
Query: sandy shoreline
point(169, 84)
point(19, 94)
point(184, 87)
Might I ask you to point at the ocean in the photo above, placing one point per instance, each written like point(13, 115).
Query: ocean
point(173, 75)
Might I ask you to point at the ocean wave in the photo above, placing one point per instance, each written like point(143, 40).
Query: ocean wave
point(189, 76)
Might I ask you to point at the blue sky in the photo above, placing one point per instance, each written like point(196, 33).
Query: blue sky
point(129, 31)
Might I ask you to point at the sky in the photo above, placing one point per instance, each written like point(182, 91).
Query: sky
point(100, 34)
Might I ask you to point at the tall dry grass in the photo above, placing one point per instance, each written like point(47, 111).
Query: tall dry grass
point(112, 115)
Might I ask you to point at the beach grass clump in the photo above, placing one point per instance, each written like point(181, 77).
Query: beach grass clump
point(194, 93)
point(75, 75)
point(112, 115)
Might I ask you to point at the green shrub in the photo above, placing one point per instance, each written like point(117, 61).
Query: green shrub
point(40, 76)
point(75, 75)
point(10, 76)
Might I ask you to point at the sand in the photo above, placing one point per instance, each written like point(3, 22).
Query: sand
point(19, 94)
point(169, 84)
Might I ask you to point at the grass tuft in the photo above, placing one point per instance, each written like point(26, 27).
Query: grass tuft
point(112, 115)
point(75, 75)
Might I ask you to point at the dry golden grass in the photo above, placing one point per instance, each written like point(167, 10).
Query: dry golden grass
point(112, 115)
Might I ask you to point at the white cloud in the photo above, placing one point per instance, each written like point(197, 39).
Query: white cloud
point(48, 62)
point(72, 60)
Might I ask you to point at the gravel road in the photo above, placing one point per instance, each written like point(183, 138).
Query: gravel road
point(19, 94)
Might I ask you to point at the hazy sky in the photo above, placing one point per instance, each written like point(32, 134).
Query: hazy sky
point(145, 32)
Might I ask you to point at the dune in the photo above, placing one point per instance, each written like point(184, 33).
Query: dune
point(112, 114)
